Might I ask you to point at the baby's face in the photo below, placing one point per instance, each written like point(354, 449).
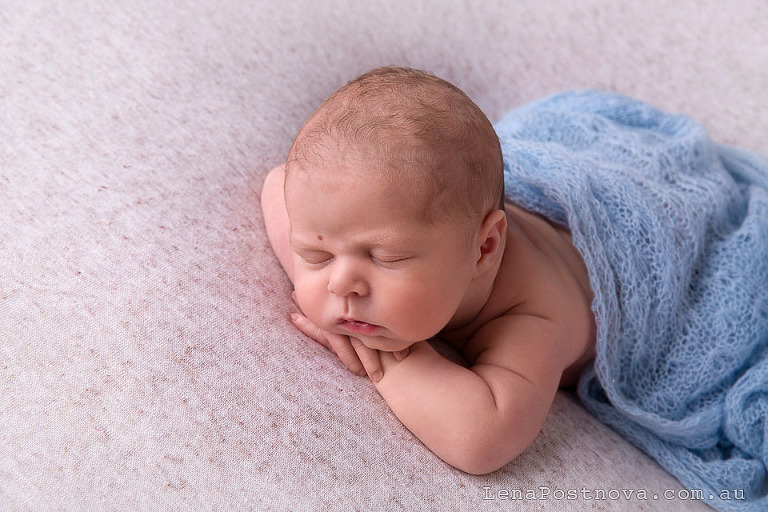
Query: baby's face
point(366, 264)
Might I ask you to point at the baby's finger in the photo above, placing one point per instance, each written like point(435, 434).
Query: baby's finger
point(346, 353)
point(295, 300)
point(401, 354)
point(370, 359)
point(303, 324)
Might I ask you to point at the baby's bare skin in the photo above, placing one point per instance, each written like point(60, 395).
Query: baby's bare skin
point(541, 275)
point(523, 321)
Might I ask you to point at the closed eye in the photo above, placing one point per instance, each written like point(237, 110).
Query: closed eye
point(390, 261)
point(315, 257)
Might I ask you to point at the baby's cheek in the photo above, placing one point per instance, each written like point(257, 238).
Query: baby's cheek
point(420, 316)
point(308, 297)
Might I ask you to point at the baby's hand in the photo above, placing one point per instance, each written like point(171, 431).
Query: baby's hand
point(360, 359)
point(337, 343)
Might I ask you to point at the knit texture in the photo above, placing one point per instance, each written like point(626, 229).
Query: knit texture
point(674, 231)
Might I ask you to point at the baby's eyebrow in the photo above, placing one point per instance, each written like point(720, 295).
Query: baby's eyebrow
point(374, 241)
point(394, 240)
point(298, 241)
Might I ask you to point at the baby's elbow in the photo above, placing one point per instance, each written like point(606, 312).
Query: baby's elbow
point(479, 465)
point(481, 458)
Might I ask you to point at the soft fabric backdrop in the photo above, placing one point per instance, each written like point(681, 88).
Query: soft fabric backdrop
point(146, 357)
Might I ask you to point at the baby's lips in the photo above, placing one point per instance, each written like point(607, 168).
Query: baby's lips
point(358, 327)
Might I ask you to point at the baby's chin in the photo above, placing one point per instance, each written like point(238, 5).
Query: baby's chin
point(392, 347)
point(383, 343)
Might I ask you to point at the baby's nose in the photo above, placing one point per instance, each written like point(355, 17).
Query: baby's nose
point(346, 279)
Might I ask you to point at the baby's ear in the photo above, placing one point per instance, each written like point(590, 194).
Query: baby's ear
point(492, 237)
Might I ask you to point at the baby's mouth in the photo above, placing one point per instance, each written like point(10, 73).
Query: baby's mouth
point(358, 327)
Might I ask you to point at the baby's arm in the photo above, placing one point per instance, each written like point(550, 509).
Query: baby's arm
point(480, 418)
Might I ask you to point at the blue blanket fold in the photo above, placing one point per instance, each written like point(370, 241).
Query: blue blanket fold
point(674, 231)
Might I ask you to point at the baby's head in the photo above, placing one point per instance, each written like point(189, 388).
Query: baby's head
point(392, 188)
point(415, 132)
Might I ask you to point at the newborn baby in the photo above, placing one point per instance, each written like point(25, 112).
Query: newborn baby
point(390, 220)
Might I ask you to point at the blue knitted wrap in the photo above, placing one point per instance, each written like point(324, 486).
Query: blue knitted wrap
point(674, 232)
